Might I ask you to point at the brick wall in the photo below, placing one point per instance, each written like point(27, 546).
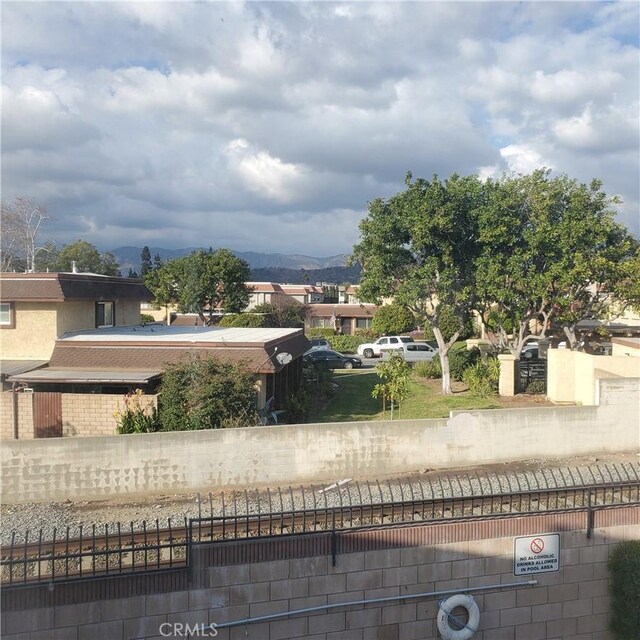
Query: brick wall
point(571, 604)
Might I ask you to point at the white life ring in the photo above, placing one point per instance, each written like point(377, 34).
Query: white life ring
point(447, 606)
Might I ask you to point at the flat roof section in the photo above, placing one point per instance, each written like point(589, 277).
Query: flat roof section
point(157, 333)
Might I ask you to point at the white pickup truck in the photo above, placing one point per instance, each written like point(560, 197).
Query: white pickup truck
point(412, 352)
point(375, 349)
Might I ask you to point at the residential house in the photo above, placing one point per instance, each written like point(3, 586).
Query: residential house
point(344, 318)
point(37, 308)
point(273, 293)
point(348, 294)
point(73, 382)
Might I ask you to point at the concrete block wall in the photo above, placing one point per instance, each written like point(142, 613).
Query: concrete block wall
point(86, 414)
point(25, 415)
point(83, 414)
point(89, 414)
point(104, 467)
point(571, 604)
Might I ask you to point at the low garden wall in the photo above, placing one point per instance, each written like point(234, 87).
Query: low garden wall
point(105, 467)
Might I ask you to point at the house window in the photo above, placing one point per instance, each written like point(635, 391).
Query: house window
point(7, 317)
point(105, 314)
point(363, 323)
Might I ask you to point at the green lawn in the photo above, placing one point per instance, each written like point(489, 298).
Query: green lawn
point(353, 401)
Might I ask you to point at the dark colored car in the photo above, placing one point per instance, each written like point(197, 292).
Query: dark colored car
point(331, 359)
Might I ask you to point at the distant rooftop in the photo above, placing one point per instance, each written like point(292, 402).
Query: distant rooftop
point(61, 286)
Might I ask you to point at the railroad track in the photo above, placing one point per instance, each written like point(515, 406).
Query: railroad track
point(116, 550)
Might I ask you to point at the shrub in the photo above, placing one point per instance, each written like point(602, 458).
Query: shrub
point(249, 320)
point(318, 381)
point(298, 405)
point(536, 386)
point(483, 377)
point(318, 332)
point(367, 335)
point(207, 394)
point(347, 343)
point(431, 369)
point(146, 318)
point(624, 569)
point(461, 359)
point(136, 417)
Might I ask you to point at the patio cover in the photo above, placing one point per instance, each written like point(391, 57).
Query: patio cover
point(86, 376)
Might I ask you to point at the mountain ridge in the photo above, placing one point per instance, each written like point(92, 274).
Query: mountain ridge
point(128, 257)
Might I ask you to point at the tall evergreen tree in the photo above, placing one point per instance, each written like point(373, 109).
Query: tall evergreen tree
point(145, 261)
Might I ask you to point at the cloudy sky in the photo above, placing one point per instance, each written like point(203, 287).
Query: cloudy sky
point(269, 126)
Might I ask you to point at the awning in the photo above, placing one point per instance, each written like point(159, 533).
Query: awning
point(15, 367)
point(82, 376)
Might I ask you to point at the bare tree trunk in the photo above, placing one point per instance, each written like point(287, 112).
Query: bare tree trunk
point(570, 332)
point(443, 348)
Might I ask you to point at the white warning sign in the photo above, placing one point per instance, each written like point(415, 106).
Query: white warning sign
point(536, 554)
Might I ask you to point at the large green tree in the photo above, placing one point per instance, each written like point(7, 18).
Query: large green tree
point(551, 256)
point(392, 319)
point(203, 282)
point(281, 312)
point(87, 259)
point(420, 246)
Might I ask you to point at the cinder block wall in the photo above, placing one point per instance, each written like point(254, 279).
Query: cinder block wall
point(86, 414)
point(83, 414)
point(151, 463)
point(571, 604)
point(25, 415)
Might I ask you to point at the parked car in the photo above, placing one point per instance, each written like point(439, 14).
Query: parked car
point(412, 352)
point(330, 359)
point(319, 343)
point(530, 351)
point(374, 349)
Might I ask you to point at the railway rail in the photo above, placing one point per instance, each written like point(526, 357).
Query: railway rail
point(117, 549)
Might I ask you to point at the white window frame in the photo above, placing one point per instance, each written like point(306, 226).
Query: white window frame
point(7, 309)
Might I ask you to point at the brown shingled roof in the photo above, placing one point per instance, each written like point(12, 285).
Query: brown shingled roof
point(140, 357)
point(58, 287)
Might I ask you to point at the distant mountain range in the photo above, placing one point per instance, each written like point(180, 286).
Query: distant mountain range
point(276, 267)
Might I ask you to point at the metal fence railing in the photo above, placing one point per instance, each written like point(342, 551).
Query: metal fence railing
point(118, 549)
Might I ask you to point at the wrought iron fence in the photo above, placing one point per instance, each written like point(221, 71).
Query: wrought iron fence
point(118, 549)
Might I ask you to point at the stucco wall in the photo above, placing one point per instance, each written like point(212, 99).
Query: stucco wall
point(38, 324)
point(572, 602)
point(34, 334)
point(103, 467)
point(572, 375)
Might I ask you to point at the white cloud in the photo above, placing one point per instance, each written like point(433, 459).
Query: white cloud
point(264, 174)
point(213, 123)
point(523, 159)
